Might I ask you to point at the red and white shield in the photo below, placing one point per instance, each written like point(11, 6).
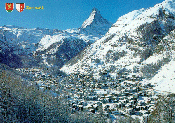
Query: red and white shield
point(20, 7)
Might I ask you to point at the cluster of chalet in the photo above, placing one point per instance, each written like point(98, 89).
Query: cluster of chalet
point(41, 79)
point(125, 97)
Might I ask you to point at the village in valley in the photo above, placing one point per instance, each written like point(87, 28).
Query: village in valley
point(124, 97)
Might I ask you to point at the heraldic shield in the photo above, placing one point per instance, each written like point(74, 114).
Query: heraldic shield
point(9, 7)
point(20, 7)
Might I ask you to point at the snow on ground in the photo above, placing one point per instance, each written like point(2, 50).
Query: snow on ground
point(49, 40)
point(154, 59)
point(165, 79)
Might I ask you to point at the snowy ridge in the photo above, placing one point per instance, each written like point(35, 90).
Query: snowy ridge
point(131, 21)
point(48, 40)
point(20, 38)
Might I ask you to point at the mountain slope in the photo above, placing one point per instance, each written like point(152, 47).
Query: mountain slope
point(165, 78)
point(135, 37)
point(18, 44)
point(58, 53)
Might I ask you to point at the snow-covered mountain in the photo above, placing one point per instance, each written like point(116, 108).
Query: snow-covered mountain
point(92, 29)
point(59, 49)
point(34, 46)
point(137, 47)
point(18, 44)
point(95, 24)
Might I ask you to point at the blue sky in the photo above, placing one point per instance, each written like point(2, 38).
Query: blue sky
point(65, 14)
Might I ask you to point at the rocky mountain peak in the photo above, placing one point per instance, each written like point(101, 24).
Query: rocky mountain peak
point(95, 10)
point(95, 23)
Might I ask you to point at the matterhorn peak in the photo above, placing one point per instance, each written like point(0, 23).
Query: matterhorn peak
point(95, 23)
point(95, 18)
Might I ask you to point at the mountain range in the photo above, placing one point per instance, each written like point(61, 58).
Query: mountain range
point(31, 47)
